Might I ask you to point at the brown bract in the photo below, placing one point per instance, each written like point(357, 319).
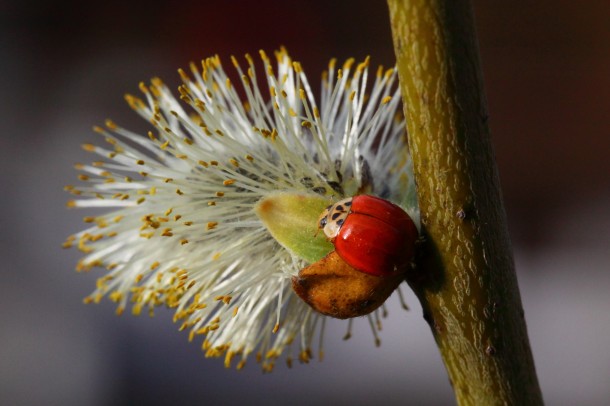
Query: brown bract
point(334, 288)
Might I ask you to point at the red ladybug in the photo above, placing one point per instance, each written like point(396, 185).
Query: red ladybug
point(370, 234)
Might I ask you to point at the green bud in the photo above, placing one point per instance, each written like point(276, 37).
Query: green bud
point(292, 219)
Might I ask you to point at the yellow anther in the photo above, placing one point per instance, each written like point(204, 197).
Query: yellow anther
point(348, 63)
point(143, 88)
point(379, 71)
point(111, 124)
point(297, 67)
point(234, 61)
point(136, 310)
point(183, 75)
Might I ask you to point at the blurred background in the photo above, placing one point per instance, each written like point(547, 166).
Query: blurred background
point(65, 65)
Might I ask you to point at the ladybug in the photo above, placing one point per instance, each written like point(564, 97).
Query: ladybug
point(371, 234)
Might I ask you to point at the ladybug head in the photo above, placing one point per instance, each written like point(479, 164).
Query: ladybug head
point(323, 219)
point(333, 217)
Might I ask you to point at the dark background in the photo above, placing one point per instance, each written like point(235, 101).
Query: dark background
point(65, 66)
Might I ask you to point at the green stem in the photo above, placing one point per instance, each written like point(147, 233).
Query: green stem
point(465, 279)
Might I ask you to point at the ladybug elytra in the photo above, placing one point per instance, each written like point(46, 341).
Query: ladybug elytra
point(370, 234)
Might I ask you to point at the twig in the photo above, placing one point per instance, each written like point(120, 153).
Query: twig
point(465, 278)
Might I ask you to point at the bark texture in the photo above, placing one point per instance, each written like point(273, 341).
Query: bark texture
point(465, 279)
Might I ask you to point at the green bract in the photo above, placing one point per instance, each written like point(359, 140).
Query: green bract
point(292, 219)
